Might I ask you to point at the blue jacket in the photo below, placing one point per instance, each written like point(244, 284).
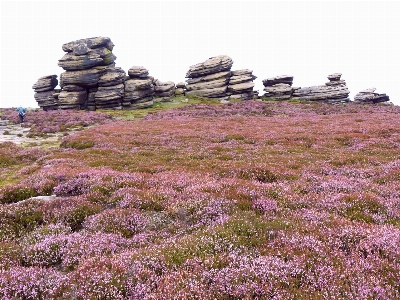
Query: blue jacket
point(21, 111)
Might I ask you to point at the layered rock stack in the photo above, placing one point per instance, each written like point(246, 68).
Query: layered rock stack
point(369, 96)
point(278, 88)
point(44, 92)
point(110, 93)
point(86, 61)
point(180, 89)
point(241, 85)
point(139, 88)
point(209, 79)
point(335, 91)
point(163, 91)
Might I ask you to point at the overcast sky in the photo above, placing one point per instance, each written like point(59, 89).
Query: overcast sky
point(306, 39)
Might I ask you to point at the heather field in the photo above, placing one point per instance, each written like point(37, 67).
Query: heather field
point(247, 200)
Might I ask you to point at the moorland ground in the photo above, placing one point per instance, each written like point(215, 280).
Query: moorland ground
point(247, 200)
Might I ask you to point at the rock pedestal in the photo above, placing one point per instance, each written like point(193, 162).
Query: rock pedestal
point(44, 92)
point(209, 79)
point(241, 85)
point(335, 91)
point(278, 88)
point(89, 65)
point(369, 96)
point(139, 88)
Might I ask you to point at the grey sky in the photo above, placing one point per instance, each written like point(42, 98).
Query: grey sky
point(306, 39)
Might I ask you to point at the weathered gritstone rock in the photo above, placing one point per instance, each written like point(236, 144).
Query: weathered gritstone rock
point(285, 79)
point(138, 72)
point(209, 93)
point(335, 91)
point(139, 88)
point(209, 79)
point(44, 90)
point(241, 84)
point(91, 99)
point(89, 65)
point(45, 83)
point(210, 66)
point(163, 91)
point(279, 91)
point(85, 78)
point(180, 88)
point(110, 92)
point(71, 100)
point(207, 84)
point(278, 88)
point(369, 96)
point(112, 76)
point(90, 43)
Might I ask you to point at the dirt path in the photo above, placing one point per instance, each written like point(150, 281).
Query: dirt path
point(17, 134)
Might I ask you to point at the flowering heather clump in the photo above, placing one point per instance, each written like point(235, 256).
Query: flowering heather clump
point(248, 200)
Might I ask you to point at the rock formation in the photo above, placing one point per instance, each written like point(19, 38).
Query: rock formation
point(163, 91)
point(139, 88)
point(241, 85)
point(278, 88)
point(110, 93)
point(369, 96)
point(209, 79)
point(180, 89)
point(44, 92)
point(89, 65)
point(335, 91)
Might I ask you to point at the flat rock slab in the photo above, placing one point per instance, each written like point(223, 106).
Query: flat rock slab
point(334, 76)
point(138, 72)
point(286, 79)
point(91, 43)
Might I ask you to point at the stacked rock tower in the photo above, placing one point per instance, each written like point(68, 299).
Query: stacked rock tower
point(278, 88)
point(335, 91)
point(139, 88)
point(85, 63)
point(44, 92)
point(209, 79)
point(241, 85)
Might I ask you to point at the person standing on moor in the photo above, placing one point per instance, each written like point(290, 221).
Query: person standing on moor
point(21, 113)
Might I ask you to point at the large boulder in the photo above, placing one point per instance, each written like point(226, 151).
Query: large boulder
point(45, 83)
point(210, 66)
point(369, 96)
point(44, 91)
